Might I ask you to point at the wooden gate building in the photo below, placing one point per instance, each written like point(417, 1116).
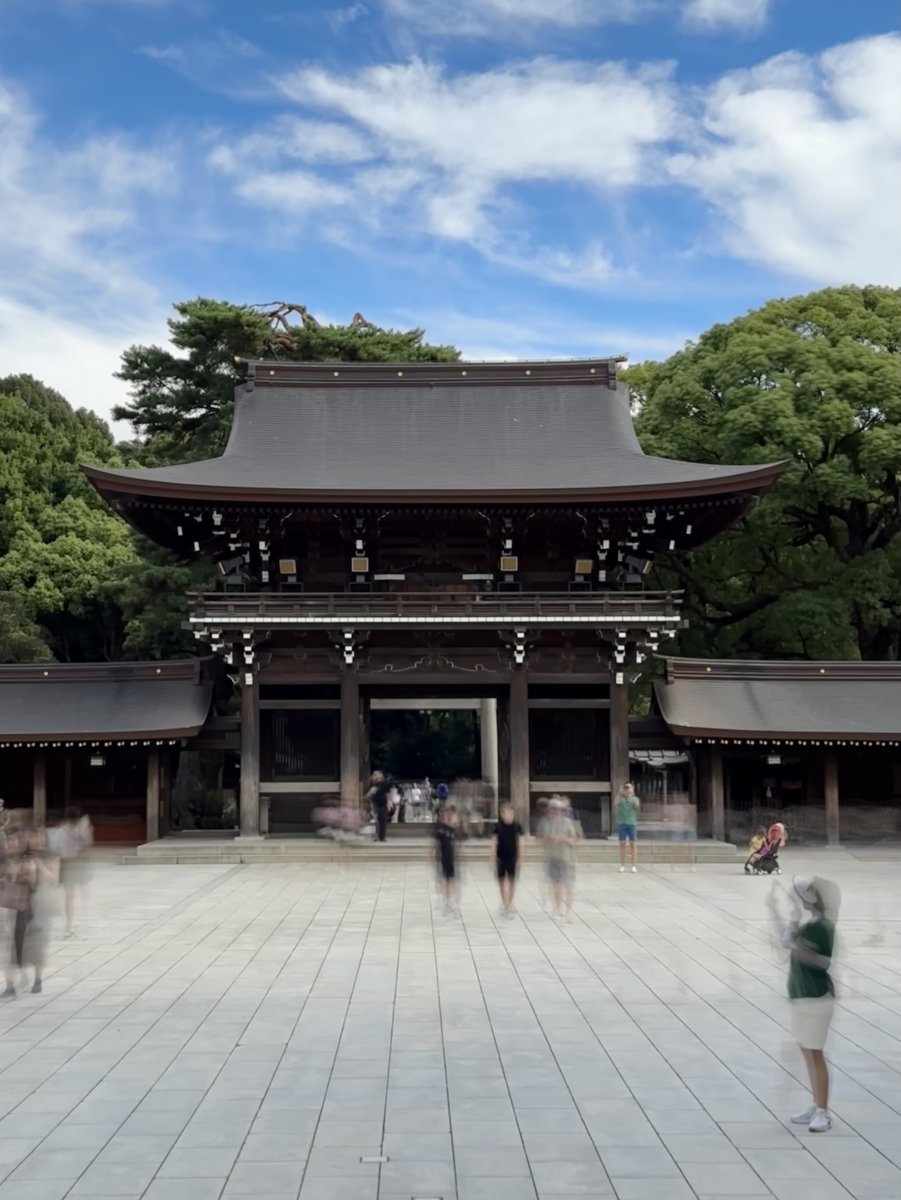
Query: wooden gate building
point(431, 530)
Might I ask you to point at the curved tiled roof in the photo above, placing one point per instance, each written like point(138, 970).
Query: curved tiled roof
point(434, 431)
point(104, 702)
point(782, 701)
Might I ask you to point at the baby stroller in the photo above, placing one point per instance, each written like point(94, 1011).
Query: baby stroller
point(766, 860)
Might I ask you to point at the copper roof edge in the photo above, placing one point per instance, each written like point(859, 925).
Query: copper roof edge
point(743, 478)
point(56, 672)
point(778, 669)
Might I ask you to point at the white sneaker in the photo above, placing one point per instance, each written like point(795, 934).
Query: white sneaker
point(821, 1121)
point(805, 1117)
point(635, 870)
point(621, 870)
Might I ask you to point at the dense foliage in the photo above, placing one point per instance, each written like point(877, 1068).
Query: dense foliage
point(60, 546)
point(815, 570)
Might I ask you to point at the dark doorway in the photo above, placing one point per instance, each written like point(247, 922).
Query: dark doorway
point(442, 744)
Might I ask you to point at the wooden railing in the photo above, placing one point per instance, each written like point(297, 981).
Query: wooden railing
point(245, 607)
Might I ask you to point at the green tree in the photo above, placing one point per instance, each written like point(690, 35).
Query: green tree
point(182, 399)
point(814, 571)
point(21, 641)
point(59, 543)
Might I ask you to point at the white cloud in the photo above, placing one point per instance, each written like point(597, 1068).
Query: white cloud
point(288, 137)
point(293, 192)
point(800, 160)
point(78, 357)
point(748, 15)
point(476, 18)
point(531, 333)
point(68, 229)
point(465, 138)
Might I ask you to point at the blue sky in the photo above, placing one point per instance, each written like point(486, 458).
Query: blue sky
point(521, 177)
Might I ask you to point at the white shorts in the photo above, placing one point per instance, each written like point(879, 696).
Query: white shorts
point(810, 1021)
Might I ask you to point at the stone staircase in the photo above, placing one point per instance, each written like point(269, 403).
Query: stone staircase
point(227, 849)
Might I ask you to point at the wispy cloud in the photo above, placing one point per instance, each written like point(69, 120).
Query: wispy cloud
point(477, 18)
point(709, 15)
point(69, 232)
point(795, 159)
point(466, 138)
point(216, 61)
point(800, 160)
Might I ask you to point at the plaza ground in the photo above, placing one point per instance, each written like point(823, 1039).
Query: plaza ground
point(258, 1030)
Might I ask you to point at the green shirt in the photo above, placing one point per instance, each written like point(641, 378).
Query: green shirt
point(626, 809)
point(805, 980)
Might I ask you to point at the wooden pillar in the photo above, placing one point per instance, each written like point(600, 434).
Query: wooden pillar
point(350, 738)
point(715, 793)
point(619, 734)
point(165, 791)
point(39, 791)
point(153, 794)
point(519, 747)
point(488, 741)
point(250, 759)
point(67, 782)
point(830, 789)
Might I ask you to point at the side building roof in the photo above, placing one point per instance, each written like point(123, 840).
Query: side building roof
point(97, 703)
point(433, 432)
point(727, 700)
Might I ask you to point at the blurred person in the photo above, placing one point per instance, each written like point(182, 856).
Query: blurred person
point(33, 871)
point(67, 842)
point(379, 788)
point(445, 834)
point(393, 802)
point(541, 810)
point(505, 854)
point(755, 845)
point(627, 808)
point(807, 930)
point(416, 801)
point(558, 835)
point(580, 837)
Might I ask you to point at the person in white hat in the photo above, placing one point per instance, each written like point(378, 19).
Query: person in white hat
point(808, 933)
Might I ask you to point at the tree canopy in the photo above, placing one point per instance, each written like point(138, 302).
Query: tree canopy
point(814, 571)
point(60, 545)
point(182, 399)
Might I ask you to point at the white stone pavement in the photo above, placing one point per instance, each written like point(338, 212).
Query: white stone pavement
point(255, 1031)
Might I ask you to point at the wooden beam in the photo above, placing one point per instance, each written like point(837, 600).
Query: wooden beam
point(715, 793)
point(519, 747)
point(299, 786)
point(39, 790)
point(564, 786)
point(350, 738)
point(250, 760)
point(153, 794)
point(830, 789)
point(619, 734)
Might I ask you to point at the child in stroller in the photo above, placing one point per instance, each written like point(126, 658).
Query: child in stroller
point(764, 860)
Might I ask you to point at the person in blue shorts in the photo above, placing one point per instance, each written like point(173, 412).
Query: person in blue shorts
point(627, 806)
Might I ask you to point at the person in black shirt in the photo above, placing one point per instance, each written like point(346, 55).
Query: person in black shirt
point(505, 850)
point(379, 787)
point(445, 832)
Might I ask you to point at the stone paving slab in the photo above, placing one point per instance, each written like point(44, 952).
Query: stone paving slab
point(254, 1031)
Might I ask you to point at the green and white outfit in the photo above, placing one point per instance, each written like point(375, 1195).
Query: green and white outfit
point(810, 987)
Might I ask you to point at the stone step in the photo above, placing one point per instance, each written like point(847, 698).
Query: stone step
point(321, 850)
